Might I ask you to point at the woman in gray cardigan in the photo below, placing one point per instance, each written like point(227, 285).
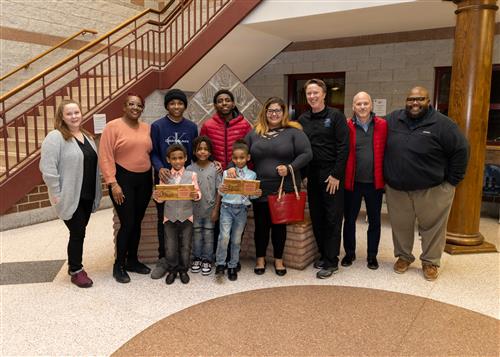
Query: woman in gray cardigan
point(69, 169)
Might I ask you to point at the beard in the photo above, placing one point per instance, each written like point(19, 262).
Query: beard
point(418, 115)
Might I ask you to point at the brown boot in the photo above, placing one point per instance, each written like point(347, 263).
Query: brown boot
point(401, 266)
point(430, 271)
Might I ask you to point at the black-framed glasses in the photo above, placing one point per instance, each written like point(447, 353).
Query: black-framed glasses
point(274, 111)
point(417, 99)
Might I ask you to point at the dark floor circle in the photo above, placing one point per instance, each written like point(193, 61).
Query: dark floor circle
point(319, 321)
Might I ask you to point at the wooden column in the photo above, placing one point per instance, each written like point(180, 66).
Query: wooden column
point(469, 106)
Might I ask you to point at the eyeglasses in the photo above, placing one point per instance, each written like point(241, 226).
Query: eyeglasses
point(274, 111)
point(413, 99)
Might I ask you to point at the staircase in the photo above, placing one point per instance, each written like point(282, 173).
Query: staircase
point(152, 50)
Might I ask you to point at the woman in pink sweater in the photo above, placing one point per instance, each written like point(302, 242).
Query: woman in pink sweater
point(124, 161)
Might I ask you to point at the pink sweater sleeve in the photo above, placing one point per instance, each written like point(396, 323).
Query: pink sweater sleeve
point(196, 186)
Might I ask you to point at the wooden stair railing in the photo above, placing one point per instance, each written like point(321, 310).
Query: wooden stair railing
point(141, 50)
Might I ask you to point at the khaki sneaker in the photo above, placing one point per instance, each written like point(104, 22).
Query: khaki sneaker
point(160, 269)
point(430, 272)
point(401, 266)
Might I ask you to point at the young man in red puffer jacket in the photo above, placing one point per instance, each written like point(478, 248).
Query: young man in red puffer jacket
point(364, 177)
point(225, 127)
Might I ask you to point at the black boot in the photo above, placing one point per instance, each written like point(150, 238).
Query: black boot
point(120, 274)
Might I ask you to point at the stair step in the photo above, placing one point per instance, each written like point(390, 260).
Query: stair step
point(12, 158)
point(30, 121)
point(22, 133)
point(11, 144)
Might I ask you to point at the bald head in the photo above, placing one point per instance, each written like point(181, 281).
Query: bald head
point(417, 102)
point(362, 106)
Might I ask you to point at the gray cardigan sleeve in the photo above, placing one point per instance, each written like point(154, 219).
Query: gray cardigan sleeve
point(49, 162)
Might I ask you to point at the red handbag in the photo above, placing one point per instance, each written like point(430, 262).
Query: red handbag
point(287, 207)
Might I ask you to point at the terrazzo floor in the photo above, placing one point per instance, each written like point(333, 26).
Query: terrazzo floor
point(57, 318)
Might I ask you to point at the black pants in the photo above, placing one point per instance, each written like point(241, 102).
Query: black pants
point(137, 188)
point(77, 226)
point(352, 204)
point(264, 226)
point(178, 238)
point(326, 212)
point(160, 229)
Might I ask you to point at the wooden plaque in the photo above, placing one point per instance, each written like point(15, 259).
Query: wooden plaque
point(241, 187)
point(180, 192)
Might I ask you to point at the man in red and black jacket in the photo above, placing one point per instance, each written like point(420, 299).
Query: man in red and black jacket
point(225, 127)
point(364, 177)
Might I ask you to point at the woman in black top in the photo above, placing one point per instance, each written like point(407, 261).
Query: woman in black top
point(274, 143)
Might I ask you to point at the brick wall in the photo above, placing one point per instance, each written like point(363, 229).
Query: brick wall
point(385, 71)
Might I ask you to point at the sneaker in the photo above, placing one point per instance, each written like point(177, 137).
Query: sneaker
point(430, 271)
point(160, 269)
point(120, 274)
point(184, 277)
point(196, 266)
point(81, 279)
point(347, 260)
point(327, 272)
point(137, 267)
point(372, 263)
point(206, 268)
point(232, 274)
point(401, 266)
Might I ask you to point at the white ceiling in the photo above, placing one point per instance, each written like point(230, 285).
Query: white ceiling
point(276, 23)
point(334, 19)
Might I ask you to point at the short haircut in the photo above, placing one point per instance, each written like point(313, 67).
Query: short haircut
point(318, 82)
point(240, 144)
point(133, 94)
point(223, 91)
point(176, 147)
point(197, 141)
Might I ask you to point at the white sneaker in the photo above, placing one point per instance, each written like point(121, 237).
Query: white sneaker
point(196, 266)
point(206, 268)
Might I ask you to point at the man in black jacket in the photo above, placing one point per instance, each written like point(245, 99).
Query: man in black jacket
point(328, 133)
point(425, 158)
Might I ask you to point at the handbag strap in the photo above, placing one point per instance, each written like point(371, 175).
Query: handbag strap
point(290, 168)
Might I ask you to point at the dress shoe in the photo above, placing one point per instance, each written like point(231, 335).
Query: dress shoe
point(232, 274)
point(238, 267)
point(170, 277)
point(259, 271)
point(347, 260)
point(280, 272)
point(430, 271)
point(184, 277)
point(137, 267)
point(401, 266)
point(318, 264)
point(326, 272)
point(120, 274)
point(372, 263)
point(219, 270)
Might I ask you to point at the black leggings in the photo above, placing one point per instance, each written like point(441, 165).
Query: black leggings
point(137, 189)
point(262, 219)
point(77, 226)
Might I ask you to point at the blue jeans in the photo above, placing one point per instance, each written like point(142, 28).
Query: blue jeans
point(233, 219)
point(203, 239)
